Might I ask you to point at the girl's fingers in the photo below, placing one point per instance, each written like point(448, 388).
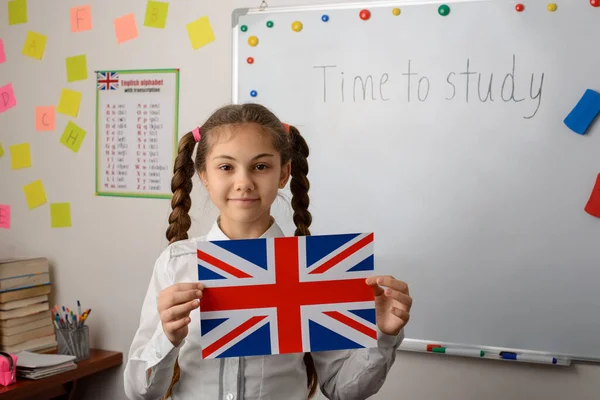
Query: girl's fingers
point(178, 312)
point(174, 326)
point(403, 315)
point(177, 298)
point(399, 296)
point(377, 290)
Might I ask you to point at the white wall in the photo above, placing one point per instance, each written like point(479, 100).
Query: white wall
point(106, 258)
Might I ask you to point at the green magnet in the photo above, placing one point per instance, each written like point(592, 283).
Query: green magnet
point(443, 10)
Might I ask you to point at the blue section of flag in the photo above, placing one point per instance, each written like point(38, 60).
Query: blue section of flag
point(205, 274)
point(207, 325)
point(322, 339)
point(368, 264)
point(257, 343)
point(367, 314)
point(253, 250)
point(318, 247)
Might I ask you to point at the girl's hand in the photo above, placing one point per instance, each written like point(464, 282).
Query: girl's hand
point(392, 305)
point(174, 306)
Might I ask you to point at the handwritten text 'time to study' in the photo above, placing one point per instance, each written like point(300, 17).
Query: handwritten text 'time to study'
point(467, 85)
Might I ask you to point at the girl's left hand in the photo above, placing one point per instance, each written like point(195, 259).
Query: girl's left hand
point(392, 305)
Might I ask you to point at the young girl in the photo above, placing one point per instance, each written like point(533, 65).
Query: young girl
point(244, 154)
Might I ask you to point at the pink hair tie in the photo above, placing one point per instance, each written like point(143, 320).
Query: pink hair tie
point(196, 133)
point(286, 127)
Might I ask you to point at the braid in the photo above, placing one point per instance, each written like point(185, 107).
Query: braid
point(299, 186)
point(179, 220)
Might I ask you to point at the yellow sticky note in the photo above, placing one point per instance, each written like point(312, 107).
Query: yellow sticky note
point(200, 32)
point(125, 28)
point(81, 18)
point(60, 215)
point(76, 68)
point(69, 102)
point(17, 12)
point(35, 44)
point(73, 136)
point(45, 118)
point(35, 194)
point(20, 156)
point(1, 150)
point(156, 14)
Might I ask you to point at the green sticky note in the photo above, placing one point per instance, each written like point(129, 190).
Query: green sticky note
point(35, 44)
point(156, 14)
point(17, 12)
point(77, 68)
point(20, 156)
point(200, 32)
point(1, 150)
point(35, 194)
point(69, 102)
point(73, 136)
point(60, 215)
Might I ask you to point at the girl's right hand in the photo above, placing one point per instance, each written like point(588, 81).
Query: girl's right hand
point(174, 306)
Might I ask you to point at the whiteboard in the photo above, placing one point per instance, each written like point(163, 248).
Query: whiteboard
point(476, 199)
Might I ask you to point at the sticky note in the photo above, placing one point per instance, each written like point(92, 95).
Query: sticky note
point(593, 205)
point(585, 111)
point(2, 54)
point(60, 215)
point(1, 150)
point(20, 156)
point(69, 102)
point(156, 14)
point(17, 12)
point(4, 216)
point(35, 194)
point(125, 28)
point(81, 18)
point(45, 118)
point(76, 68)
point(35, 44)
point(7, 97)
point(73, 136)
point(200, 32)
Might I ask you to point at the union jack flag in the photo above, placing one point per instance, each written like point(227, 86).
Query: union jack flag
point(108, 80)
point(286, 295)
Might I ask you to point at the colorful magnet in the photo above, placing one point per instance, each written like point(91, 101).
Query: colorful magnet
point(325, 18)
point(595, 3)
point(396, 11)
point(253, 93)
point(520, 7)
point(244, 28)
point(585, 111)
point(443, 10)
point(252, 41)
point(552, 7)
point(270, 24)
point(365, 14)
point(297, 26)
point(593, 205)
point(250, 60)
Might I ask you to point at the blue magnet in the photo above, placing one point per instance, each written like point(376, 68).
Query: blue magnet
point(253, 93)
point(585, 111)
point(325, 18)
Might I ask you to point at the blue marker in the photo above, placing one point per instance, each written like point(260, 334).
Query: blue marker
point(506, 355)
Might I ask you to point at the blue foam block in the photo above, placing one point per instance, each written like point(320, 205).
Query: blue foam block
point(585, 111)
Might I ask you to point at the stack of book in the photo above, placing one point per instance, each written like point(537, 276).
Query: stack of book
point(25, 319)
point(38, 366)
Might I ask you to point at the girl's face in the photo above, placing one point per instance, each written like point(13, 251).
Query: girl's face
point(243, 173)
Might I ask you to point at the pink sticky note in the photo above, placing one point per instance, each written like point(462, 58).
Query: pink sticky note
point(81, 18)
point(2, 55)
point(125, 28)
point(4, 216)
point(45, 118)
point(7, 97)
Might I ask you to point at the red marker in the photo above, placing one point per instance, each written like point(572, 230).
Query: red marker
point(430, 347)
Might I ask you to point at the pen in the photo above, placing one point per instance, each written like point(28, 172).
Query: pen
point(507, 355)
point(459, 352)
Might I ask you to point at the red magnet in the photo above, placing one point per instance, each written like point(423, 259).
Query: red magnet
point(250, 60)
point(595, 3)
point(519, 7)
point(365, 15)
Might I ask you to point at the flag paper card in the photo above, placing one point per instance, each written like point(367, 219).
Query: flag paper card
point(286, 295)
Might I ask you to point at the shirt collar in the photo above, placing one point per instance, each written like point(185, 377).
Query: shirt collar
point(216, 233)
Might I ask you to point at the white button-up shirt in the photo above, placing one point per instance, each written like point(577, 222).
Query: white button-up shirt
point(347, 375)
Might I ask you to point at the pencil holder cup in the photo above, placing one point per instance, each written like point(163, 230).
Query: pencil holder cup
point(74, 342)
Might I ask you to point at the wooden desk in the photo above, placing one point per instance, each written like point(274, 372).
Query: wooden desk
point(62, 384)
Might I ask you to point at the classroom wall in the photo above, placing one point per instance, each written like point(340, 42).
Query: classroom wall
point(110, 269)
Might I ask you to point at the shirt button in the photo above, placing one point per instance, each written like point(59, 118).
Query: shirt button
point(230, 396)
point(158, 354)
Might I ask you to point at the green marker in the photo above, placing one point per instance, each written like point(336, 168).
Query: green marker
point(459, 352)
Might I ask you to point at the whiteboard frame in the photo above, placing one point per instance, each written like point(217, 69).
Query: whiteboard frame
point(408, 344)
